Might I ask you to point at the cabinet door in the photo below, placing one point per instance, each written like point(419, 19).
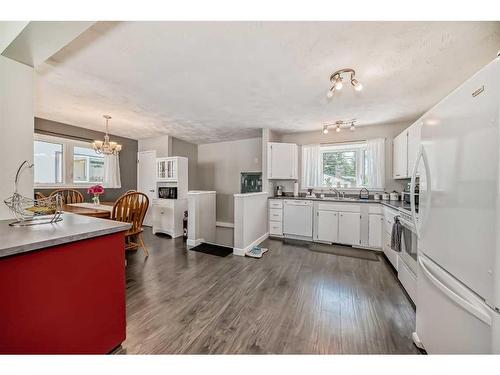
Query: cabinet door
point(161, 169)
point(282, 161)
point(413, 145)
point(350, 228)
point(327, 226)
point(375, 230)
point(400, 156)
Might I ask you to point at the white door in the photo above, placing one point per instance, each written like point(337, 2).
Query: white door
point(349, 228)
point(375, 230)
point(327, 226)
point(459, 184)
point(146, 180)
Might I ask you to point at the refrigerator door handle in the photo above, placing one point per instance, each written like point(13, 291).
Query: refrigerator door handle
point(473, 307)
point(420, 155)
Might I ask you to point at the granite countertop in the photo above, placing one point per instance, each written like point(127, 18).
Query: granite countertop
point(18, 240)
point(391, 204)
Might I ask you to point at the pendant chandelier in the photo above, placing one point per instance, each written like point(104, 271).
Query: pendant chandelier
point(106, 147)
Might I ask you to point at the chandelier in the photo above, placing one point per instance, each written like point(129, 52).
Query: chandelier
point(336, 80)
point(339, 124)
point(106, 147)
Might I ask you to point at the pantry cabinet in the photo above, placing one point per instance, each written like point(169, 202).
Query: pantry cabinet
point(282, 161)
point(405, 149)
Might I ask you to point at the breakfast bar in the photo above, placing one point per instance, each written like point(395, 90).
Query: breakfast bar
point(62, 286)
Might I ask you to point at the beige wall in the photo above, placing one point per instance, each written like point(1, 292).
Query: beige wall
point(219, 168)
point(190, 151)
point(388, 131)
point(162, 145)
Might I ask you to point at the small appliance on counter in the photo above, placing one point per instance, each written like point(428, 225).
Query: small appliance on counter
point(364, 193)
point(385, 196)
point(376, 196)
point(406, 196)
point(394, 196)
point(279, 190)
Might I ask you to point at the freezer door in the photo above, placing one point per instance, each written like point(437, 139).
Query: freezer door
point(459, 191)
point(451, 319)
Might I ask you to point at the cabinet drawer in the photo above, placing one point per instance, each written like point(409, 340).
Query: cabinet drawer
point(375, 209)
point(275, 204)
point(275, 214)
point(348, 207)
point(275, 228)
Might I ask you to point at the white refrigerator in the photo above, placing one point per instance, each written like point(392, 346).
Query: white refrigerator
point(458, 285)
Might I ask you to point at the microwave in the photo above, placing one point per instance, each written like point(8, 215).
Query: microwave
point(167, 192)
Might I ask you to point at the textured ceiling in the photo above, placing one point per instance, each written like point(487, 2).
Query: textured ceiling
point(213, 81)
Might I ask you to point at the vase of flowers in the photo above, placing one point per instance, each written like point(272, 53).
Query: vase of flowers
point(96, 191)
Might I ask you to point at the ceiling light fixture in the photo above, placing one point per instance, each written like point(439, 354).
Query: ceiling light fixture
point(338, 125)
point(106, 147)
point(336, 80)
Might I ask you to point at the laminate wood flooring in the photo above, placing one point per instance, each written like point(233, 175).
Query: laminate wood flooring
point(294, 300)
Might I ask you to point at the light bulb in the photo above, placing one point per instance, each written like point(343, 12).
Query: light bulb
point(325, 130)
point(352, 127)
point(330, 92)
point(338, 128)
point(357, 85)
point(338, 84)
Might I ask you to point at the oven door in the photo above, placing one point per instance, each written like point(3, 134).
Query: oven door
point(409, 246)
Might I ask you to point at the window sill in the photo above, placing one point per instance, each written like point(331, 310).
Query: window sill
point(349, 189)
point(66, 186)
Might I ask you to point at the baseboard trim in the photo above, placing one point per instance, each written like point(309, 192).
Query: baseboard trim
point(242, 252)
point(193, 243)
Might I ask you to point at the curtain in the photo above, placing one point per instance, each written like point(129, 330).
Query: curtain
point(112, 172)
point(311, 166)
point(375, 163)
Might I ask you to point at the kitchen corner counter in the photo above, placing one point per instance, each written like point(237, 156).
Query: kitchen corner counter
point(18, 240)
point(392, 204)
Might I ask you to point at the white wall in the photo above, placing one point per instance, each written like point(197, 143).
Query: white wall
point(219, 168)
point(16, 128)
point(250, 221)
point(161, 145)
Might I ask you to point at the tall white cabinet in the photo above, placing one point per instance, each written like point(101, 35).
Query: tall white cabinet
point(282, 161)
point(405, 149)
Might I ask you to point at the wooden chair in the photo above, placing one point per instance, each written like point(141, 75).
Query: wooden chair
point(39, 195)
point(68, 195)
point(131, 208)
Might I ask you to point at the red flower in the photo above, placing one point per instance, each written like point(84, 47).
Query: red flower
point(96, 190)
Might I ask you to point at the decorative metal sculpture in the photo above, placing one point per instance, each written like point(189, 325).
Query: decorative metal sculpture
point(29, 211)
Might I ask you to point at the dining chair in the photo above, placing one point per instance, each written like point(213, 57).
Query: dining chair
point(68, 195)
point(39, 195)
point(131, 208)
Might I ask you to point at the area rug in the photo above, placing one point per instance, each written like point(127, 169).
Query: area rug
point(220, 251)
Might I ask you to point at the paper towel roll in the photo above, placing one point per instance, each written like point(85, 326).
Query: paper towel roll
point(295, 189)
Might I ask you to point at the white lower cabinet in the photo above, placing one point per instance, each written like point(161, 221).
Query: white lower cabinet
point(375, 230)
point(388, 221)
point(349, 228)
point(276, 217)
point(327, 226)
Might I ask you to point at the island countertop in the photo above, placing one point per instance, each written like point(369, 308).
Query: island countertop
point(18, 240)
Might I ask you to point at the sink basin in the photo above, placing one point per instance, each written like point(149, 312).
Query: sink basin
point(338, 199)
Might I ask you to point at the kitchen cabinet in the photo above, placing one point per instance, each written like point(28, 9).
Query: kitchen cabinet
point(168, 216)
point(349, 228)
point(390, 254)
point(375, 230)
point(405, 149)
point(166, 169)
point(414, 136)
point(400, 156)
point(327, 226)
point(275, 217)
point(282, 161)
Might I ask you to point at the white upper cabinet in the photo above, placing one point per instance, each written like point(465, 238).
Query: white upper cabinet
point(414, 137)
point(166, 169)
point(282, 161)
point(400, 156)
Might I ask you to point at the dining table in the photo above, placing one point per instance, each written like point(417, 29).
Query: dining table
point(101, 210)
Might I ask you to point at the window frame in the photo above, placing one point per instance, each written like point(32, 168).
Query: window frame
point(360, 164)
point(67, 162)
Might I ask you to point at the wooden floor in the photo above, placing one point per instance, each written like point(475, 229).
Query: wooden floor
point(297, 299)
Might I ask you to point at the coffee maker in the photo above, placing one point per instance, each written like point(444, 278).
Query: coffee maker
point(279, 190)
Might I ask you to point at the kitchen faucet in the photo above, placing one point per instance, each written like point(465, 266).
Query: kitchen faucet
point(336, 192)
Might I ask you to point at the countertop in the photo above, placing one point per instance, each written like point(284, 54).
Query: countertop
point(18, 240)
point(392, 204)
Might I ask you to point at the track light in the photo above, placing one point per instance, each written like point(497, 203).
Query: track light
point(338, 125)
point(336, 80)
point(325, 129)
point(352, 127)
point(337, 129)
